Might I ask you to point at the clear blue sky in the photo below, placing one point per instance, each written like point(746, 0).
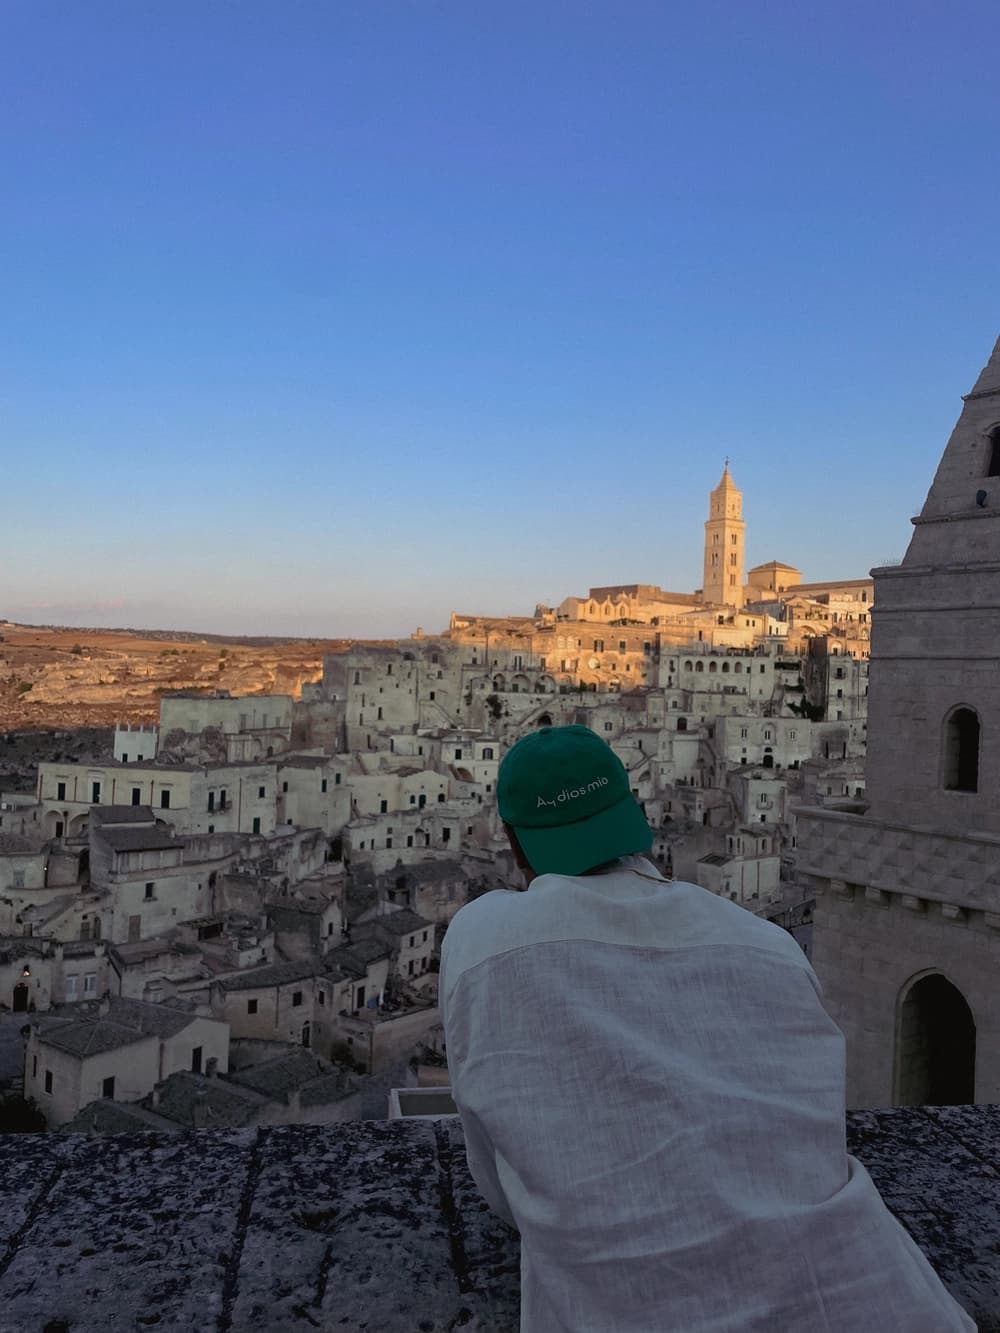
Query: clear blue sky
point(329, 317)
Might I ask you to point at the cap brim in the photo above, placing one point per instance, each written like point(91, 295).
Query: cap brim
point(570, 849)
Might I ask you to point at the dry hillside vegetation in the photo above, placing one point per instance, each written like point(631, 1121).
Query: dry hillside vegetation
point(94, 678)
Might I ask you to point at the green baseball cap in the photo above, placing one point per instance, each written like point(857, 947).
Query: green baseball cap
point(566, 794)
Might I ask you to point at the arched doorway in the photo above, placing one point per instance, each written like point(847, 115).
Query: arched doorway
point(935, 1045)
point(20, 998)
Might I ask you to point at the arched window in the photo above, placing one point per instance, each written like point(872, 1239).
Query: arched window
point(712, 667)
point(687, 666)
point(993, 458)
point(935, 1045)
point(699, 666)
point(682, 724)
point(725, 667)
point(738, 668)
point(961, 750)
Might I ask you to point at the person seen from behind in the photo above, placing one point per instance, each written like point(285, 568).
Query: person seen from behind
point(652, 1091)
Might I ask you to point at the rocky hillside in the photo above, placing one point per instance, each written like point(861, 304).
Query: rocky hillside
point(69, 678)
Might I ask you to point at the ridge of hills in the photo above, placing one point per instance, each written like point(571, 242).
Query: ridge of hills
point(65, 677)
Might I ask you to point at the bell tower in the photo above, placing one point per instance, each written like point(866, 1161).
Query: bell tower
point(724, 539)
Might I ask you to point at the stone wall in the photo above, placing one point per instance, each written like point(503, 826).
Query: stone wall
point(893, 903)
point(374, 1226)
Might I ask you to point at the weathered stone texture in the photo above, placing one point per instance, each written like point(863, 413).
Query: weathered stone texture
point(374, 1227)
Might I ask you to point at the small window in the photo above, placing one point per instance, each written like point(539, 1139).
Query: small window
point(260, 793)
point(322, 785)
point(296, 999)
point(150, 890)
point(48, 1080)
point(321, 995)
point(284, 786)
point(251, 1006)
point(164, 800)
point(961, 750)
point(95, 793)
point(90, 984)
point(196, 1060)
point(256, 824)
point(336, 781)
point(60, 791)
point(993, 469)
point(383, 807)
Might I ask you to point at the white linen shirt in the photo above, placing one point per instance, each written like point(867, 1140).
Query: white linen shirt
point(653, 1094)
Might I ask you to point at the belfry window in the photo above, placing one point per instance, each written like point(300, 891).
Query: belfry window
point(993, 466)
point(961, 750)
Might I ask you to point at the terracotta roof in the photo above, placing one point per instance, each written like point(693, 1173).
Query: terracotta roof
point(298, 1069)
point(198, 1101)
point(138, 838)
point(402, 922)
point(124, 1023)
point(275, 974)
point(122, 814)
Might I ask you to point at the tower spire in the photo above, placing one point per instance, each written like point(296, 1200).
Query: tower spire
point(724, 544)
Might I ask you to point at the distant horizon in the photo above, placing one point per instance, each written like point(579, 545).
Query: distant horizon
point(426, 630)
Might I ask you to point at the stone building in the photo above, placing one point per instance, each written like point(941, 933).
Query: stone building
point(117, 1049)
point(725, 535)
point(908, 889)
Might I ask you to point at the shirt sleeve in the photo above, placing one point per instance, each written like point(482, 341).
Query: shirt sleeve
point(481, 1156)
point(479, 1151)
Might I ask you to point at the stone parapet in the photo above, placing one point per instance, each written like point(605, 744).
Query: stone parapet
point(916, 865)
point(374, 1226)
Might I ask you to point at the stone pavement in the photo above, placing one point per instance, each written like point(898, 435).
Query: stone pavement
point(372, 1227)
